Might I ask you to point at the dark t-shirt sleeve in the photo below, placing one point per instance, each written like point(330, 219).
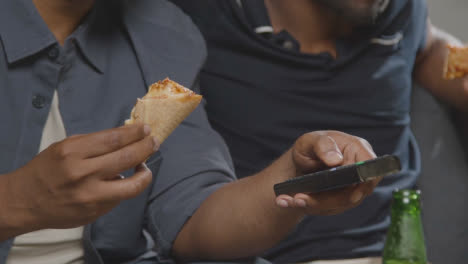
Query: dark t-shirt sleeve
point(195, 163)
point(199, 10)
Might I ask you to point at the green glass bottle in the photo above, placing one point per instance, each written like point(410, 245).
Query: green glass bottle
point(405, 238)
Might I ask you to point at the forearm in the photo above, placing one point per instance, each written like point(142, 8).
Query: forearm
point(240, 214)
point(242, 218)
point(429, 71)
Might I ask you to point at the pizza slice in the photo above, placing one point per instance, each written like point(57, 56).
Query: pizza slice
point(456, 65)
point(164, 107)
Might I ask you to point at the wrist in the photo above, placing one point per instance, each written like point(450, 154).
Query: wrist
point(15, 216)
point(282, 170)
point(465, 86)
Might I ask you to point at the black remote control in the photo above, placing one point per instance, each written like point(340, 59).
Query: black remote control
point(340, 176)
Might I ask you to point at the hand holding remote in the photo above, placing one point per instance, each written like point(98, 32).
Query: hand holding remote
point(320, 150)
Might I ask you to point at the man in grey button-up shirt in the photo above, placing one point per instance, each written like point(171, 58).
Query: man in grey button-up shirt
point(99, 58)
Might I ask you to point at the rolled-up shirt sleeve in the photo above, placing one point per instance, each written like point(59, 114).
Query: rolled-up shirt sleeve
point(195, 163)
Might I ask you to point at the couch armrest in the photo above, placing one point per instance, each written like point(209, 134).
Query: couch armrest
point(444, 178)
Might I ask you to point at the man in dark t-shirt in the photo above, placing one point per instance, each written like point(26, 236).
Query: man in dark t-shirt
point(277, 69)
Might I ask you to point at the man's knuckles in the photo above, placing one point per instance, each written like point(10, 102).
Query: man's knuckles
point(64, 150)
point(83, 198)
point(114, 139)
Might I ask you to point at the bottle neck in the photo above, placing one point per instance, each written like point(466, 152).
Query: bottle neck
point(406, 202)
point(405, 238)
point(405, 206)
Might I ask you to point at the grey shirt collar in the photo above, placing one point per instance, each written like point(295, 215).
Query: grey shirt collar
point(24, 33)
point(22, 30)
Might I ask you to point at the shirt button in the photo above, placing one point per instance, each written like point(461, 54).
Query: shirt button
point(53, 53)
point(288, 45)
point(38, 101)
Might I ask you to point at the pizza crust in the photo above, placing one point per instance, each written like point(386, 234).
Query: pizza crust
point(456, 64)
point(164, 107)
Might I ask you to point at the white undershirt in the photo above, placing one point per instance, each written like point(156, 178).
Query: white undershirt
point(49, 246)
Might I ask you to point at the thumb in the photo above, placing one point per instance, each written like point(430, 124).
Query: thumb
point(315, 149)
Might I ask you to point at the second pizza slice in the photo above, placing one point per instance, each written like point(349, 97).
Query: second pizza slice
point(456, 65)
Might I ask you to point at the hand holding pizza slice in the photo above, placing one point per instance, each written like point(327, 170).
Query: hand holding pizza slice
point(456, 65)
point(164, 107)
